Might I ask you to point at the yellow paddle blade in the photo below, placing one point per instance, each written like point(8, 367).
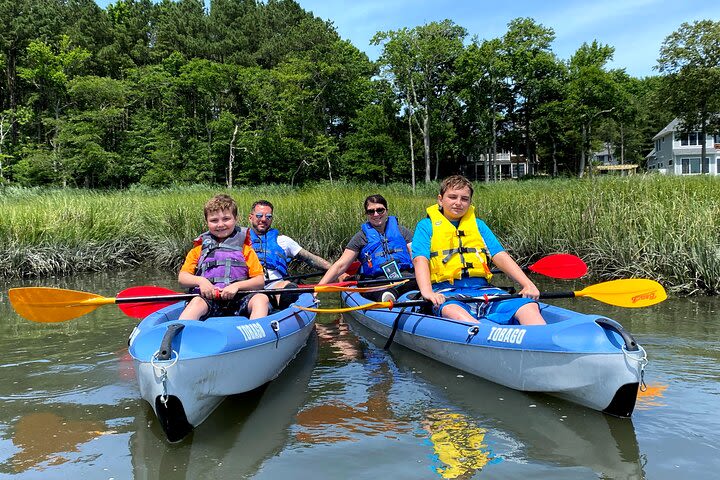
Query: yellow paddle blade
point(629, 293)
point(367, 306)
point(48, 305)
point(338, 288)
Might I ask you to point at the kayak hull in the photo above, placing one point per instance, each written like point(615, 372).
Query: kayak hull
point(210, 360)
point(586, 359)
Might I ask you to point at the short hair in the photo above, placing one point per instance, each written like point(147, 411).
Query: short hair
point(219, 203)
point(262, 203)
point(375, 199)
point(455, 182)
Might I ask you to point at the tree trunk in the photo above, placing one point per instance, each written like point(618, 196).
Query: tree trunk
point(583, 142)
point(494, 143)
point(437, 163)
point(426, 144)
point(231, 159)
point(412, 152)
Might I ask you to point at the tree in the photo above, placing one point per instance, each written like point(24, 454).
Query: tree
point(420, 62)
point(590, 91)
point(532, 72)
point(690, 58)
point(485, 96)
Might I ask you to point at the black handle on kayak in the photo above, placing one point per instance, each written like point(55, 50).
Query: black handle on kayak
point(165, 350)
point(630, 343)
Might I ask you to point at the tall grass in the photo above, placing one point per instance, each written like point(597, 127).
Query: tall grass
point(666, 228)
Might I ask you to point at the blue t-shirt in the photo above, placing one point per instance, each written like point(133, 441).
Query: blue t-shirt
point(423, 232)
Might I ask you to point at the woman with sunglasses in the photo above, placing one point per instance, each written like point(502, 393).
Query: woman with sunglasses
point(382, 246)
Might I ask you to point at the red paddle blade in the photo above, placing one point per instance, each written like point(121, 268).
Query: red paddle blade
point(143, 309)
point(560, 265)
point(353, 268)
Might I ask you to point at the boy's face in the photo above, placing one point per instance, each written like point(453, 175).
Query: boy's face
point(455, 202)
point(261, 218)
point(221, 223)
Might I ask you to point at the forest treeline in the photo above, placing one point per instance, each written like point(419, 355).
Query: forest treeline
point(247, 91)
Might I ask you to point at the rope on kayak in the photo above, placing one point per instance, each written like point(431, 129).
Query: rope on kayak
point(642, 362)
point(275, 326)
point(162, 370)
point(472, 331)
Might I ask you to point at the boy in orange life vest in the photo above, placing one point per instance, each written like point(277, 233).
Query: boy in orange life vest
point(452, 249)
point(221, 265)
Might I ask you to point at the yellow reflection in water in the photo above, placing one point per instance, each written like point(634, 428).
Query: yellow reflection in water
point(458, 444)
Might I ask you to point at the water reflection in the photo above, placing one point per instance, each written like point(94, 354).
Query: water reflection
point(524, 427)
point(242, 433)
point(338, 420)
point(45, 439)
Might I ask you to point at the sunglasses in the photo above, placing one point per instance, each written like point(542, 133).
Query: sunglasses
point(373, 211)
point(269, 216)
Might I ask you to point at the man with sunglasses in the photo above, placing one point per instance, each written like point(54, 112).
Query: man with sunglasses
point(276, 251)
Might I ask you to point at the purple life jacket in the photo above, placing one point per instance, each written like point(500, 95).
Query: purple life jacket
point(222, 263)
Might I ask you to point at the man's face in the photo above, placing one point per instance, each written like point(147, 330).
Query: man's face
point(455, 202)
point(221, 223)
point(261, 218)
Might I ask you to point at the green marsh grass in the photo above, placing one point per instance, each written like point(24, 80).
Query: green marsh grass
point(665, 228)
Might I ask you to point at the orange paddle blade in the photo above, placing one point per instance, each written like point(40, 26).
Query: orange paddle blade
point(48, 305)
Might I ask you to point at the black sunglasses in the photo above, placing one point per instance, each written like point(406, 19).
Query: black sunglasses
point(379, 211)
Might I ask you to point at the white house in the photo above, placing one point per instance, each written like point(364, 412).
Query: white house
point(507, 165)
point(678, 153)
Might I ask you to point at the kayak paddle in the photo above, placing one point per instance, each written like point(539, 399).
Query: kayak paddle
point(629, 293)
point(49, 305)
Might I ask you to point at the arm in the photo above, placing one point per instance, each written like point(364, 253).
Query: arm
point(340, 266)
point(506, 263)
point(188, 280)
point(313, 260)
point(253, 283)
point(422, 276)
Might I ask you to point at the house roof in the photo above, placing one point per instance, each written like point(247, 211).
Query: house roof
point(651, 154)
point(669, 128)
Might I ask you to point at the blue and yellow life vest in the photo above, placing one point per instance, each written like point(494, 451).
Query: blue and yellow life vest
point(270, 253)
point(381, 249)
point(223, 262)
point(456, 252)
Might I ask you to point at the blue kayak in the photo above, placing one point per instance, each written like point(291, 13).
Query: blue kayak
point(587, 359)
point(186, 368)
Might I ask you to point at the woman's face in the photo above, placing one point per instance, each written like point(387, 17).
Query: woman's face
point(377, 214)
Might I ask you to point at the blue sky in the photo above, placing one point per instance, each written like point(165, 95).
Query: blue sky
point(636, 28)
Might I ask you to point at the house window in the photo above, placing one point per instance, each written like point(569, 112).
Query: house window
point(692, 138)
point(690, 166)
point(670, 163)
point(706, 165)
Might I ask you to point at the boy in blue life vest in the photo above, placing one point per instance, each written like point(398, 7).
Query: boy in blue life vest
point(451, 252)
point(221, 265)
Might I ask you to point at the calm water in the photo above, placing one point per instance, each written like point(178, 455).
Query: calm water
point(70, 407)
